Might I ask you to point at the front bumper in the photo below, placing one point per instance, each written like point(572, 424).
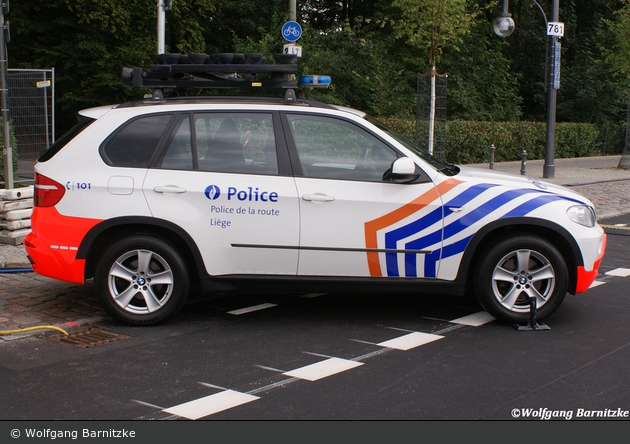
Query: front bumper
point(586, 278)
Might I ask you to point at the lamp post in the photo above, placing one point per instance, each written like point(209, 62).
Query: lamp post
point(504, 24)
point(292, 10)
point(162, 7)
point(503, 27)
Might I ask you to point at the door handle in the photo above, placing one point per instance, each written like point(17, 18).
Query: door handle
point(317, 197)
point(169, 189)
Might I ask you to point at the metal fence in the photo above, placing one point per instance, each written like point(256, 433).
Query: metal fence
point(31, 102)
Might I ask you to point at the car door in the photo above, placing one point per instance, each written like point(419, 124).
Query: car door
point(218, 178)
point(355, 220)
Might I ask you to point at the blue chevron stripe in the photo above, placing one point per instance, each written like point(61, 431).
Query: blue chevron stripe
point(535, 203)
point(457, 226)
point(459, 246)
point(392, 238)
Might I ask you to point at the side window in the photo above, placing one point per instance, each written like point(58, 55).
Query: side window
point(331, 148)
point(133, 144)
point(236, 143)
point(178, 154)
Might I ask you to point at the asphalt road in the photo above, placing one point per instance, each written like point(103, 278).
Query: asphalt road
point(339, 357)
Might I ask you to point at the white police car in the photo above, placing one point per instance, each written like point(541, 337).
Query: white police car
point(155, 196)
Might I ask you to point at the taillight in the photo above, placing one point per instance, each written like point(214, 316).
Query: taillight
point(48, 193)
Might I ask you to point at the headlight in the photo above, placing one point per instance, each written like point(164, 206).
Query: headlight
point(583, 215)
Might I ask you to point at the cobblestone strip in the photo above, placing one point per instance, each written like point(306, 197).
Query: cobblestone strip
point(29, 300)
point(610, 198)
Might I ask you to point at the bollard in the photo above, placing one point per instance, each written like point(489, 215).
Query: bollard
point(523, 162)
point(492, 156)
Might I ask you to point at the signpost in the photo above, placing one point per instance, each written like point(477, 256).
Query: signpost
point(292, 31)
point(556, 65)
point(555, 29)
point(292, 49)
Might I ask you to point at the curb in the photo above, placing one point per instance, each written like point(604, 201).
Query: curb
point(16, 264)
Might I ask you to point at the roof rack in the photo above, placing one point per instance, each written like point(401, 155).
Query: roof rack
point(174, 71)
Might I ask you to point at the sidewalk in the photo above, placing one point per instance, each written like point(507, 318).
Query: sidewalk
point(597, 178)
point(27, 299)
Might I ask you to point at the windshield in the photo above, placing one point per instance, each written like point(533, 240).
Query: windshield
point(431, 160)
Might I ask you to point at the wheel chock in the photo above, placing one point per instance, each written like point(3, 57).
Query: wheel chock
point(532, 324)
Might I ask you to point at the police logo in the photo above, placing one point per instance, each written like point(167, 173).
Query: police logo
point(212, 192)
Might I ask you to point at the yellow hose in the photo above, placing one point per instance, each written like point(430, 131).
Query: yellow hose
point(39, 327)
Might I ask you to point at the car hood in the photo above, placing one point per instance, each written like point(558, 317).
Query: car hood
point(518, 181)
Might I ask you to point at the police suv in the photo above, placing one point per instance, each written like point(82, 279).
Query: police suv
point(157, 196)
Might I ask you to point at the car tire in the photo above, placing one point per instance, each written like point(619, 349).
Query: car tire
point(514, 269)
point(142, 280)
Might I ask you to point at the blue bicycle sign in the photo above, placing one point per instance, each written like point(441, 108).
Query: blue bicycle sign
point(291, 31)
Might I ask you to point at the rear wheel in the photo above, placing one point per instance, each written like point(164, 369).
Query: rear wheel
point(515, 269)
point(142, 280)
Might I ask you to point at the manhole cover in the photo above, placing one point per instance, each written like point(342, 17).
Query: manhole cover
point(613, 229)
point(89, 338)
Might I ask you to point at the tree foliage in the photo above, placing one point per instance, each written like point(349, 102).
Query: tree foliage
point(372, 49)
point(432, 25)
point(614, 46)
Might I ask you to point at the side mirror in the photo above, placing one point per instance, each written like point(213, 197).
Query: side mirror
point(403, 170)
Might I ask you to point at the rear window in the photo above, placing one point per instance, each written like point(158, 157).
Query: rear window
point(133, 144)
point(49, 153)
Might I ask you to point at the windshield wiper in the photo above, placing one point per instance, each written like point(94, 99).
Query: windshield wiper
point(449, 169)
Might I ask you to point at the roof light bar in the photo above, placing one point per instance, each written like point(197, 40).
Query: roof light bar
point(315, 80)
point(187, 71)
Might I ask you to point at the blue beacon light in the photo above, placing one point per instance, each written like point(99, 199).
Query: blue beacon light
point(315, 80)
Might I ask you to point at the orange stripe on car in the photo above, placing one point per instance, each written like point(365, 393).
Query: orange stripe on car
point(372, 227)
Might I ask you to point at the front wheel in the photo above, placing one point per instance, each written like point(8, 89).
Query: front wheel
point(515, 269)
point(142, 280)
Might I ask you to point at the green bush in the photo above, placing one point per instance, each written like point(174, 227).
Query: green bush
point(469, 142)
point(13, 149)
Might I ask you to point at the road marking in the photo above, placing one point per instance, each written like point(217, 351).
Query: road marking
point(475, 319)
point(210, 405)
point(227, 399)
point(148, 404)
point(323, 369)
point(620, 225)
point(264, 367)
point(312, 295)
point(623, 272)
point(241, 311)
point(596, 284)
point(410, 341)
point(205, 384)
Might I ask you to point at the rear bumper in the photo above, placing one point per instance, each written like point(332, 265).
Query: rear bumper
point(53, 243)
point(54, 262)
